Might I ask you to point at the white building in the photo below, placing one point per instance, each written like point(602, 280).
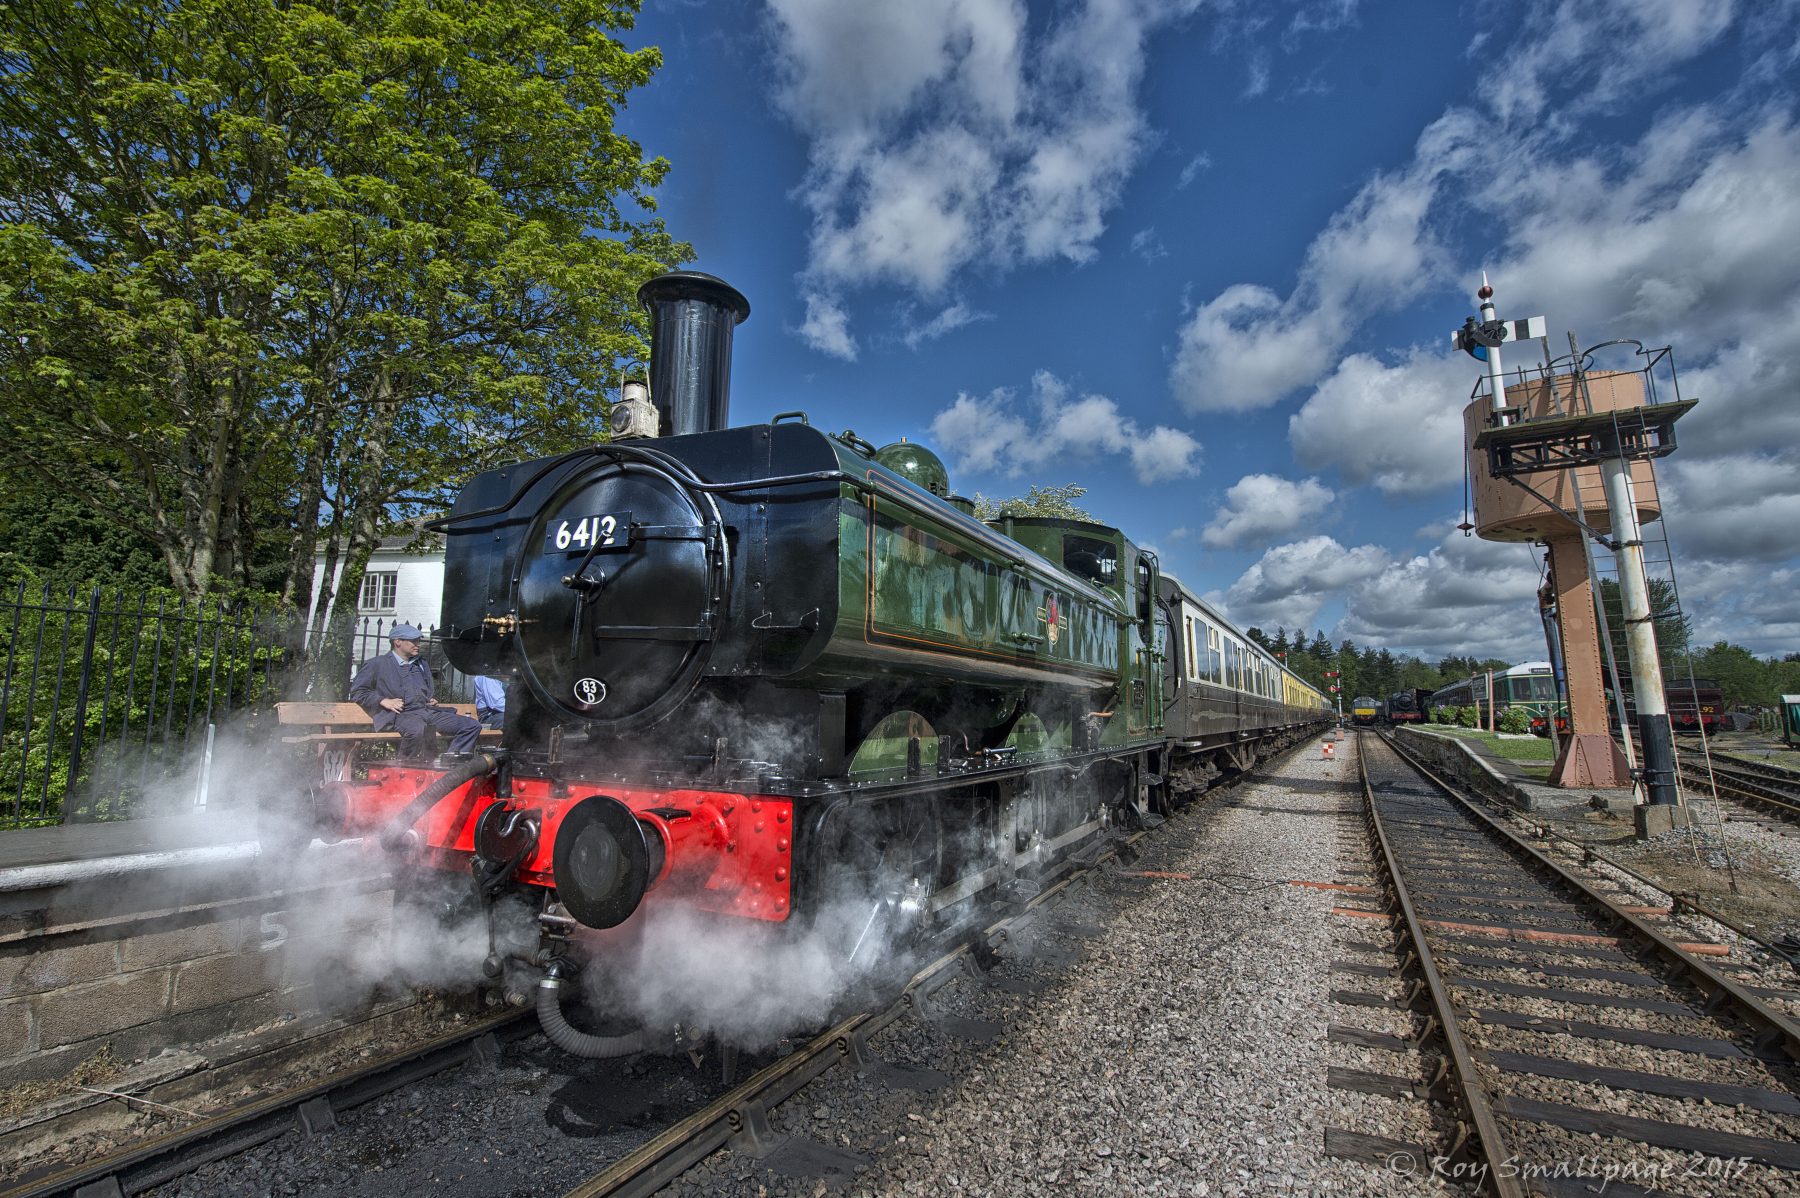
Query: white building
point(404, 584)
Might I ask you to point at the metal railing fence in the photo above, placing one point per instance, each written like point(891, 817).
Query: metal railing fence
point(109, 701)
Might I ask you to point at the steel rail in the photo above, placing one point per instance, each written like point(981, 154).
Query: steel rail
point(1680, 899)
point(1471, 1089)
point(157, 1161)
point(743, 1111)
point(1751, 789)
point(1774, 1027)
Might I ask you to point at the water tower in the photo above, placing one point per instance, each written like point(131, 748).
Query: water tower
point(1556, 458)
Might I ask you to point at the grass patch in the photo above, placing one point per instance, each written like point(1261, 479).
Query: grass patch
point(1536, 748)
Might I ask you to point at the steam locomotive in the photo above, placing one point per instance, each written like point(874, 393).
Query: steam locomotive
point(760, 670)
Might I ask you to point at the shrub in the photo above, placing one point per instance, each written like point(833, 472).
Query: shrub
point(1515, 719)
point(1468, 717)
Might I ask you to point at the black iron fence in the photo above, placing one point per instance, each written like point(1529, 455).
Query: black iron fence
point(110, 703)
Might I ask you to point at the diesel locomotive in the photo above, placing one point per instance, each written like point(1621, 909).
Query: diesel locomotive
point(764, 670)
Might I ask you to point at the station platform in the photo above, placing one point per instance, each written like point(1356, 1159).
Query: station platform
point(31, 857)
point(1506, 779)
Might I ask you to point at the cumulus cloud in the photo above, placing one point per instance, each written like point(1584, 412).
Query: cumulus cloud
point(1744, 602)
point(1289, 583)
point(1348, 424)
point(948, 133)
point(1466, 596)
point(1510, 161)
point(987, 433)
point(827, 328)
point(1248, 347)
point(1261, 507)
point(1741, 507)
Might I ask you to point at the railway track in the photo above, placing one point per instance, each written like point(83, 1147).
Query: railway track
point(1764, 789)
point(311, 1110)
point(738, 1117)
point(1579, 1043)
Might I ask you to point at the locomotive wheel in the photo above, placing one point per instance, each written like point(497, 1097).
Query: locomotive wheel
point(886, 859)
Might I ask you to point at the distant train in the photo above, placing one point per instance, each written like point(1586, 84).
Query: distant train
point(1693, 706)
point(1365, 711)
point(1408, 706)
point(1530, 685)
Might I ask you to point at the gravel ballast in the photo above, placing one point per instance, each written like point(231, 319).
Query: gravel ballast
point(1184, 1054)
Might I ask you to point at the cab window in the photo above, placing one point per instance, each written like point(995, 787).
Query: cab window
point(1092, 559)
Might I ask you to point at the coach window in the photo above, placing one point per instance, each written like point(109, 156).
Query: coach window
point(1190, 648)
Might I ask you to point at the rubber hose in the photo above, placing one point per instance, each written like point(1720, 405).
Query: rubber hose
point(394, 835)
point(583, 1044)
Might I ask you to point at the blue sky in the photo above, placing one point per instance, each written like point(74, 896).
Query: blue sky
point(1203, 258)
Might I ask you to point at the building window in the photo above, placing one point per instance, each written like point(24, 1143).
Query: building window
point(379, 590)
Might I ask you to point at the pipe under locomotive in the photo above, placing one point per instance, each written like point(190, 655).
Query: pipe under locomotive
point(752, 669)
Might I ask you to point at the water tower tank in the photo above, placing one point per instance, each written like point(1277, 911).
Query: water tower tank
point(1506, 512)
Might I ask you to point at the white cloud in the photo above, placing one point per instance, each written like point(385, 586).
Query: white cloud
point(1248, 347)
point(956, 316)
point(1466, 596)
point(1290, 583)
point(948, 133)
point(1746, 506)
point(985, 434)
point(1599, 54)
point(1350, 422)
point(827, 328)
point(1196, 164)
point(1261, 507)
point(1146, 244)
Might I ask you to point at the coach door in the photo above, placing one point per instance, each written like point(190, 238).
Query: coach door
point(1144, 694)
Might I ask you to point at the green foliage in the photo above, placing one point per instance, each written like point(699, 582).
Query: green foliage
point(1784, 677)
point(1468, 717)
point(1673, 629)
point(1742, 679)
point(1052, 503)
point(156, 669)
point(49, 539)
point(1514, 719)
point(258, 254)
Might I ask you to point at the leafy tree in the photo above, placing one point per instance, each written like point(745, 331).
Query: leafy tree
point(1053, 503)
point(1416, 675)
point(1259, 636)
point(48, 538)
point(1741, 677)
point(1280, 644)
point(333, 258)
point(1673, 629)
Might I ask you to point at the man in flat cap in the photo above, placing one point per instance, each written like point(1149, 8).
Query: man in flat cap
point(396, 690)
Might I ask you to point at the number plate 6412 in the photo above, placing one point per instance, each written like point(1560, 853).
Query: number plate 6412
point(581, 534)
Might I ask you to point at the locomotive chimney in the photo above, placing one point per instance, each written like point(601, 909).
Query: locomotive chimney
point(692, 317)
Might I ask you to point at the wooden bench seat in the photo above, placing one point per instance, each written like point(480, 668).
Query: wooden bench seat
point(336, 729)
